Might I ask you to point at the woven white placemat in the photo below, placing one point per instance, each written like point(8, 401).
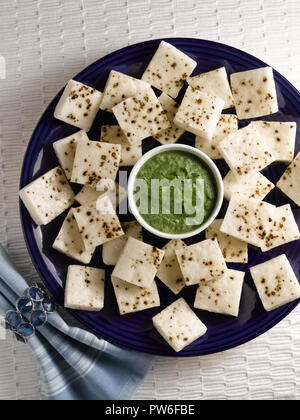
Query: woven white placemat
point(45, 43)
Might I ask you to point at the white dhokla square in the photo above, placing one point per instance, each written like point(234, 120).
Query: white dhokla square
point(138, 263)
point(98, 223)
point(248, 219)
point(179, 325)
point(112, 250)
point(168, 69)
point(95, 161)
point(283, 229)
point(279, 137)
point(169, 271)
point(78, 105)
point(70, 243)
point(105, 184)
point(85, 288)
point(130, 153)
point(114, 192)
point(88, 195)
point(289, 182)
point(48, 196)
point(227, 124)
point(254, 185)
point(223, 295)
point(276, 282)
point(119, 87)
point(245, 152)
point(65, 150)
point(233, 249)
point(141, 116)
point(131, 298)
point(199, 113)
point(201, 262)
point(254, 93)
point(215, 83)
point(172, 134)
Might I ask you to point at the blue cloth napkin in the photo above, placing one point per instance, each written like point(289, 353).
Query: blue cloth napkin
point(76, 364)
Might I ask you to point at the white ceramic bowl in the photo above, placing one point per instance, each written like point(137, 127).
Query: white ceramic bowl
point(202, 156)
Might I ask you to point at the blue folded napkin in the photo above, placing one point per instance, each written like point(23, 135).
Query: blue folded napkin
point(76, 364)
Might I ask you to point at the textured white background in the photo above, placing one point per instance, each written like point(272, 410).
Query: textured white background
point(47, 42)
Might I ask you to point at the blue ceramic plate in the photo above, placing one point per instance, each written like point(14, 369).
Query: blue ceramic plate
point(135, 331)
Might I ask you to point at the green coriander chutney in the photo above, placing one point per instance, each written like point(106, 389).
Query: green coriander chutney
point(178, 168)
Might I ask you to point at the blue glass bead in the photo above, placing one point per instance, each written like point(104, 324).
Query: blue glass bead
point(36, 294)
point(26, 330)
point(38, 318)
point(13, 319)
point(48, 305)
point(38, 306)
point(24, 305)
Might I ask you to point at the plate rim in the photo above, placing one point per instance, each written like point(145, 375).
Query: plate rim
point(241, 339)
